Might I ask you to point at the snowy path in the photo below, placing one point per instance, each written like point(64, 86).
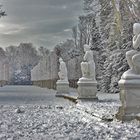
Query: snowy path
point(28, 95)
point(33, 116)
point(42, 122)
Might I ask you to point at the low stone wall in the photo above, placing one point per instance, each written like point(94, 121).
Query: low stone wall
point(51, 84)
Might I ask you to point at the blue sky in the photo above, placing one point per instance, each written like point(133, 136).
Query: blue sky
point(41, 22)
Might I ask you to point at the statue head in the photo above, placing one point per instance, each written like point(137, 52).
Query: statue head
point(86, 47)
point(136, 28)
point(60, 60)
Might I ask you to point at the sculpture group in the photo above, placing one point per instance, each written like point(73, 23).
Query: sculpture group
point(87, 85)
point(129, 83)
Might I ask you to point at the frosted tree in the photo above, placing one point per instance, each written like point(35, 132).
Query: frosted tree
point(43, 51)
point(21, 59)
point(85, 27)
point(89, 24)
point(75, 35)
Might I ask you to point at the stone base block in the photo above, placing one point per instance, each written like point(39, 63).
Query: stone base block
point(130, 99)
point(62, 88)
point(128, 113)
point(87, 89)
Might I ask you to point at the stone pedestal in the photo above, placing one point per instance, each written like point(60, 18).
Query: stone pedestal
point(130, 99)
point(87, 89)
point(62, 87)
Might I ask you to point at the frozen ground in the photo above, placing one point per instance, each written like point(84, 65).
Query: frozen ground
point(66, 121)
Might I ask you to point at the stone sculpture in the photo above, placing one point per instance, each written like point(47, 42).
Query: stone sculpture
point(130, 81)
point(133, 56)
point(62, 83)
point(88, 66)
point(63, 70)
point(87, 85)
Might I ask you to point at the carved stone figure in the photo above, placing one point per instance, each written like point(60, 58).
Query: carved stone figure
point(63, 70)
point(87, 85)
point(133, 56)
point(63, 83)
point(88, 66)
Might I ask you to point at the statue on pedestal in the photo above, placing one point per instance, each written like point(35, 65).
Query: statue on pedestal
point(62, 84)
point(63, 70)
point(130, 81)
point(87, 85)
point(88, 65)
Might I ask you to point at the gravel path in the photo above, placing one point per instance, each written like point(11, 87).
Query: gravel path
point(42, 122)
point(64, 121)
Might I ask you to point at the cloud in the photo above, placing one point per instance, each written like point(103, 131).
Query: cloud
point(42, 22)
point(67, 30)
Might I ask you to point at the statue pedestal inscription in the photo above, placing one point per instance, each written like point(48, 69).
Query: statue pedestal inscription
point(130, 82)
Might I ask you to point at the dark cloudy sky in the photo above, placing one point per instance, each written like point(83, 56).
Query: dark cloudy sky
point(42, 22)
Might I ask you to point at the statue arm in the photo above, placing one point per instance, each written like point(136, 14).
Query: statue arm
point(136, 41)
point(85, 57)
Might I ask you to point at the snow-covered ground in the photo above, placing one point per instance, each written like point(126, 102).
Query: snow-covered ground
point(28, 95)
point(66, 121)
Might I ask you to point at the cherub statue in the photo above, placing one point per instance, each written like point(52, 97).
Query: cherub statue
point(63, 70)
point(88, 66)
